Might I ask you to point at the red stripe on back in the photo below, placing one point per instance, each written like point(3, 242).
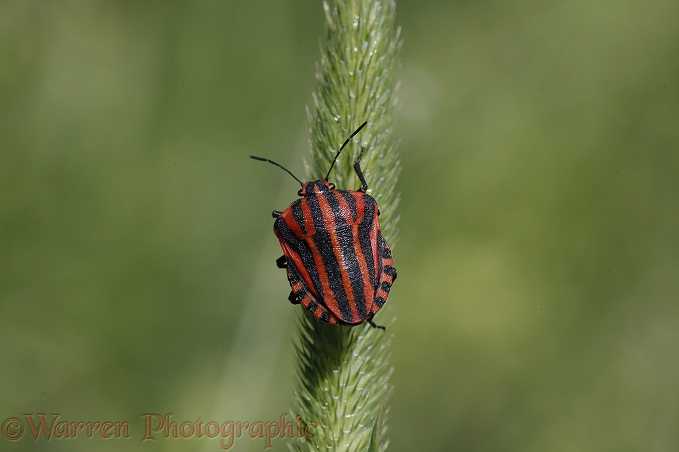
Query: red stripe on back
point(374, 231)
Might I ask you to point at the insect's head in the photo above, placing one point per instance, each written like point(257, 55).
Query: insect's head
point(321, 185)
point(315, 188)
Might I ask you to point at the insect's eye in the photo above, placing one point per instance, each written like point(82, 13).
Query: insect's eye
point(331, 186)
point(300, 192)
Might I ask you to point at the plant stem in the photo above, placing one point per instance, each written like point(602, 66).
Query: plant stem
point(343, 372)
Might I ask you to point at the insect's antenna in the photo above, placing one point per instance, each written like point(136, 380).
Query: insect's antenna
point(278, 165)
point(340, 149)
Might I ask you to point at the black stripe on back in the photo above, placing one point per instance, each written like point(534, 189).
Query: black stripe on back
point(286, 234)
point(364, 239)
point(351, 200)
point(316, 215)
point(304, 252)
point(336, 211)
point(298, 214)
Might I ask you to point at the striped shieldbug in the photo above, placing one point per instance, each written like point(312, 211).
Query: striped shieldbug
point(338, 264)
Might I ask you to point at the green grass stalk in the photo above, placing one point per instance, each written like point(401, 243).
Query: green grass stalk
point(343, 373)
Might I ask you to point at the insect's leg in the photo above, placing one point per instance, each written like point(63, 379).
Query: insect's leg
point(292, 298)
point(359, 173)
point(282, 262)
point(276, 213)
point(374, 325)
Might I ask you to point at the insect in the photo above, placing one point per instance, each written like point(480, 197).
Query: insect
point(338, 264)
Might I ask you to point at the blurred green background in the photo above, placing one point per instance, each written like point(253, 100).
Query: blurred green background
point(539, 238)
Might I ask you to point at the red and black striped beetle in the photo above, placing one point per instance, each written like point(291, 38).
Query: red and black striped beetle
point(338, 264)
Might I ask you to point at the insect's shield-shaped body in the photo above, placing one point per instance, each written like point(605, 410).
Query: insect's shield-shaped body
point(338, 264)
